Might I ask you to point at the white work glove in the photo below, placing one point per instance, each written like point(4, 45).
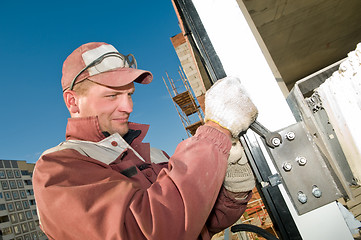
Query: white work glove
point(227, 104)
point(239, 175)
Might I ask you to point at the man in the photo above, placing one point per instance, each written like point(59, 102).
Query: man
point(104, 183)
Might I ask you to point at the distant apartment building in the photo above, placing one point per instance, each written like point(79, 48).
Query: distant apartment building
point(18, 216)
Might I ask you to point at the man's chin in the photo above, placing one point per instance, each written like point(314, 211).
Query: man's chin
point(122, 131)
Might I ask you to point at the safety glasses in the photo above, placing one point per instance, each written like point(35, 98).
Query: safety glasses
point(107, 62)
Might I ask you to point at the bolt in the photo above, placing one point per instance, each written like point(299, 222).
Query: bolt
point(290, 136)
point(301, 160)
point(276, 142)
point(287, 166)
point(302, 197)
point(316, 191)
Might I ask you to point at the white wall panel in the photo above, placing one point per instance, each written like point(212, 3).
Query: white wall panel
point(241, 56)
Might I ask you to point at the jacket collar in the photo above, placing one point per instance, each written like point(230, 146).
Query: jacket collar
point(87, 129)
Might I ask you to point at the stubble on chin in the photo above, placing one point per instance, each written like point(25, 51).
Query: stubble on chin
point(122, 130)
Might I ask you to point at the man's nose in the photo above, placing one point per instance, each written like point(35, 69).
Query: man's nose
point(125, 104)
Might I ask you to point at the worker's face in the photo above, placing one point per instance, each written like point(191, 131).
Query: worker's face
point(112, 106)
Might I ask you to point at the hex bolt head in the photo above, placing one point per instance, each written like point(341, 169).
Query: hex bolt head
point(316, 191)
point(301, 160)
point(287, 166)
point(276, 142)
point(302, 197)
point(290, 135)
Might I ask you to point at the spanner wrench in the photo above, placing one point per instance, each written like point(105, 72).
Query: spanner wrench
point(273, 139)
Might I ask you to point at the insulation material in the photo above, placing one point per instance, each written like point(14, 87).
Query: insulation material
point(341, 98)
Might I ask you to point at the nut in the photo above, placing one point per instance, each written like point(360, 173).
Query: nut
point(276, 142)
point(290, 136)
point(301, 160)
point(287, 166)
point(316, 191)
point(302, 197)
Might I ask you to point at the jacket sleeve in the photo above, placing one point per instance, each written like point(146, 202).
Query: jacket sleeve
point(226, 211)
point(78, 198)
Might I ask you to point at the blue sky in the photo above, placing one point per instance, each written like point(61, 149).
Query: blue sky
point(35, 39)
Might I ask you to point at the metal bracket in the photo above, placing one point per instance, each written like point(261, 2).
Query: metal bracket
point(275, 179)
point(307, 178)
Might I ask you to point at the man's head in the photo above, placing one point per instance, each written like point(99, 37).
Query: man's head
point(98, 81)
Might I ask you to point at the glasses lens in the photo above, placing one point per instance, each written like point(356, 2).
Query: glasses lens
point(131, 61)
point(111, 61)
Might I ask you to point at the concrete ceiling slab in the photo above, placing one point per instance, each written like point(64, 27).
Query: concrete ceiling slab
point(306, 36)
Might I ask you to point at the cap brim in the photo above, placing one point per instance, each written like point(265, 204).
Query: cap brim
point(122, 76)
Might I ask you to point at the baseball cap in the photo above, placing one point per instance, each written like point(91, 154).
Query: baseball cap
point(101, 63)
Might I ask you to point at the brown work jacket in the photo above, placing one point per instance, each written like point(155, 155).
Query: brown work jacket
point(128, 196)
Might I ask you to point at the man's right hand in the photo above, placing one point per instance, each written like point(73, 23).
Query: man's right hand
point(239, 175)
point(227, 104)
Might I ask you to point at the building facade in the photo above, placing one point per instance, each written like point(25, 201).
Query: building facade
point(18, 216)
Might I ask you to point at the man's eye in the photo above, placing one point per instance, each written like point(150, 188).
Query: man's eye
point(111, 96)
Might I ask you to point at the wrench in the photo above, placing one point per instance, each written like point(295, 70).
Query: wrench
point(273, 139)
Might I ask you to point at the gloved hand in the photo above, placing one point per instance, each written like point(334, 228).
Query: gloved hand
point(239, 175)
point(227, 104)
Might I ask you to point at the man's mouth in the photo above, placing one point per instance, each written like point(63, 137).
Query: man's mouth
point(121, 120)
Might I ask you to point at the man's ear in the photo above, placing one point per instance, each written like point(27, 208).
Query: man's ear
point(71, 101)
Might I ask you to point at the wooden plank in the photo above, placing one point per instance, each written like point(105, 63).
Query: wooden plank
point(193, 127)
point(356, 211)
point(184, 101)
point(181, 97)
point(357, 191)
point(350, 204)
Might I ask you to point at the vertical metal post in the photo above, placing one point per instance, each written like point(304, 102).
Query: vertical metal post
point(199, 38)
